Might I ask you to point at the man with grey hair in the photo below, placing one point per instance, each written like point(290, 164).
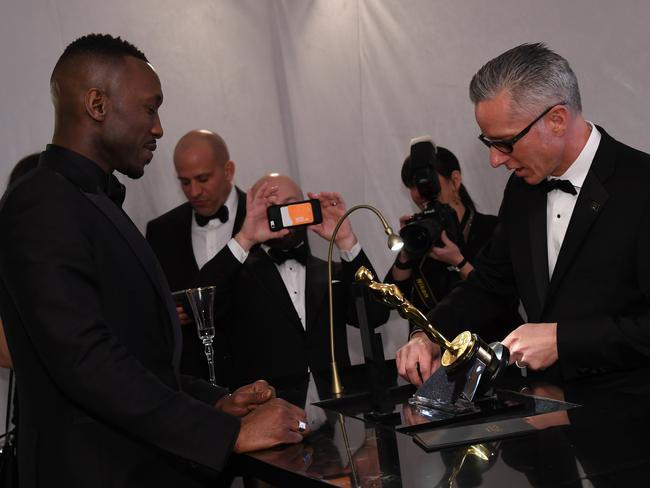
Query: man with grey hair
point(574, 232)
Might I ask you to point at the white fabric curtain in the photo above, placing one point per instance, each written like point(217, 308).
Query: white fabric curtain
point(327, 91)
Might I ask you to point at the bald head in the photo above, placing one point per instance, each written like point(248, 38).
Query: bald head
point(202, 142)
point(288, 190)
point(204, 170)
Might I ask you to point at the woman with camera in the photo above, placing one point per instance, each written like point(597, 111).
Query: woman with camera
point(428, 277)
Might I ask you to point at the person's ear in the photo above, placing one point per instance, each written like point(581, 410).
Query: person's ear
point(96, 104)
point(229, 169)
point(456, 179)
point(559, 119)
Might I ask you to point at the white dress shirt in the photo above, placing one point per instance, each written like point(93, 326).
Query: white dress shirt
point(560, 205)
point(208, 240)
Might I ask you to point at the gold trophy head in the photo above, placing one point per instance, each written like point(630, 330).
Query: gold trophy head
point(363, 275)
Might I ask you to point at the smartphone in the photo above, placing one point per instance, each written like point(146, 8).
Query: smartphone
point(294, 214)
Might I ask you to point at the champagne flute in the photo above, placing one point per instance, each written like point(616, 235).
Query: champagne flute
point(202, 303)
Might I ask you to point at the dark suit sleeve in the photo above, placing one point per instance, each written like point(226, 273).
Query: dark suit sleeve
point(55, 277)
point(202, 390)
point(487, 294)
point(377, 312)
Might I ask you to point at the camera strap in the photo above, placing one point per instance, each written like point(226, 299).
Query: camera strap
point(420, 283)
point(468, 219)
point(422, 287)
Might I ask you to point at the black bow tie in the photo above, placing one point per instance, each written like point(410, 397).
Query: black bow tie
point(221, 214)
point(562, 185)
point(299, 253)
point(115, 190)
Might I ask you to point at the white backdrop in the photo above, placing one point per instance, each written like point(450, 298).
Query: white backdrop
point(328, 91)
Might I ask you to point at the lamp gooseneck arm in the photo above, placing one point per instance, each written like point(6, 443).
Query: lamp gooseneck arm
point(337, 388)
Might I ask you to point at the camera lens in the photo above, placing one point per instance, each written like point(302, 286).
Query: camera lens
point(420, 235)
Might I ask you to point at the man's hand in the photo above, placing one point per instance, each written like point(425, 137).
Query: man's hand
point(418, 359)
point(183, 318)
point(270, 424)
point(533, 345)
point(333, 207)
point(255, 228)
point(246, 399)
point(449, 253)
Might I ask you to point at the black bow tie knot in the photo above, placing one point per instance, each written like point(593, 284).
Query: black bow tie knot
point(299, 253)
point(562, 185)
point(221, 214)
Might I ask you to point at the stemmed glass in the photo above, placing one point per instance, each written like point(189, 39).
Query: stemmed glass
point(202, 303)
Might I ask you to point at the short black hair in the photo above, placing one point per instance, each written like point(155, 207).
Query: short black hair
point(99, 46)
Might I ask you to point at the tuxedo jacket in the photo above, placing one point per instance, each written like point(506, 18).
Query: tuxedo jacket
point(599, 293)
point(95, 341)
point(170, 236)
point(265, 335)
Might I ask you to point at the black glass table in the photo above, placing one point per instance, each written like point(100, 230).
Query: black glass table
point(554, 435)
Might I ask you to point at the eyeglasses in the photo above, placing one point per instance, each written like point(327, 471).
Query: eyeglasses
point(506, 146)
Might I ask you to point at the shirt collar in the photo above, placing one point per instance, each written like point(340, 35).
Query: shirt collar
point(231, 205)
point(82, 171)
point(578, 170)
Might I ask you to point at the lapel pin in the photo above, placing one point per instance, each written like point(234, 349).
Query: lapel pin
point(595, 206)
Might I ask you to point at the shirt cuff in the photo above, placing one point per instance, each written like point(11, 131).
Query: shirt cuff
point(237, 250)
point(352, 254)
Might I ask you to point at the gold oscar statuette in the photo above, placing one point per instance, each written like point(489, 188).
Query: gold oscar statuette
point(455, 352)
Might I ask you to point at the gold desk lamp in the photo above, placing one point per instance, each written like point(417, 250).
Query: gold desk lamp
point(395, 243)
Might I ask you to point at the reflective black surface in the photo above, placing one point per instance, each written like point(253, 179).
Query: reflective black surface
point(604, 442)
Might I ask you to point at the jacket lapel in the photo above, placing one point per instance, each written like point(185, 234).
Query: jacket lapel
point(149, 262)
point(316, 289)
point(593, 197)
point(185, 239)
point(241, 211)
point(262, 269)
point(539, 249)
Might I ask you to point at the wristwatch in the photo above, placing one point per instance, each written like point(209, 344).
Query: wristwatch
point(459, 266)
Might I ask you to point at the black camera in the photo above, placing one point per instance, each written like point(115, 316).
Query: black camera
point(423, 230)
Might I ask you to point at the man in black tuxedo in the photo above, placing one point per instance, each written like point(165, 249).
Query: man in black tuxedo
point(574, 238)
point(188, 236)
point(88, 314)
point(272, 293)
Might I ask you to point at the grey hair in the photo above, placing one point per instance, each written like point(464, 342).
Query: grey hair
point(534, 76)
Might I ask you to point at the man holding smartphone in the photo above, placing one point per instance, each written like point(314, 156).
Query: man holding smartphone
point(271, 301)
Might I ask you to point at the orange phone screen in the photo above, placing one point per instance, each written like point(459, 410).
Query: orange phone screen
point(297, 214)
